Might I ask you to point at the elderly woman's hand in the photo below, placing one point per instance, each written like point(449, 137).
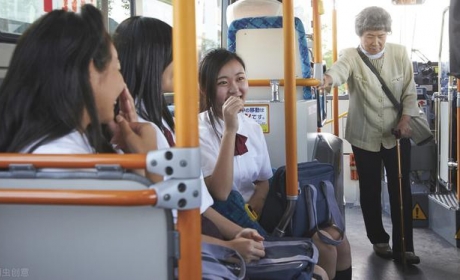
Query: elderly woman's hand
point(403, 127)
point(326, 83)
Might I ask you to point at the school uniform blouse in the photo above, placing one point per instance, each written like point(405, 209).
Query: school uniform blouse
point(162, 143)
point(72, 143)
point(251, 166)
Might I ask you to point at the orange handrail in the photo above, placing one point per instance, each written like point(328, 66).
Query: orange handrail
point(458, 144)
point(298, 82)
point(127, 161)
point(186, 102)
point(290, 109)
point(335, 96)
point(78, 197)
point(317, 52)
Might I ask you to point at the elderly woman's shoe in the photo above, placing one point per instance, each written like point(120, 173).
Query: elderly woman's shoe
point(383, 250)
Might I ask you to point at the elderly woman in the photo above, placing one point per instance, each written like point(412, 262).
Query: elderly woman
point(371, 119)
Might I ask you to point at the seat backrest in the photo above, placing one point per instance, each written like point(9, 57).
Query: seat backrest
point(87, 241)
point(259, 42)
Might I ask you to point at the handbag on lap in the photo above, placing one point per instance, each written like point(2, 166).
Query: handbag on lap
point(285, 258)
point(221, 263)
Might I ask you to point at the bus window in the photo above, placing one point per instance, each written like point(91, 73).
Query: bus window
point(208, 20)
point(119, 10)
point(16, 16)
point(408, 2)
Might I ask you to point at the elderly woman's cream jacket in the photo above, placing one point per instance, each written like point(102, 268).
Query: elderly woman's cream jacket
point(371, 115)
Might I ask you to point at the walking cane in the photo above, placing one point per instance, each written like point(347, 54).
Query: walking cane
point(397, 134)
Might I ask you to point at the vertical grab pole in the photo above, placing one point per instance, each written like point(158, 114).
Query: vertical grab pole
point(458, 140)
point(317, 54)
point(290, 109)
point(335, 98)
point(186, 95)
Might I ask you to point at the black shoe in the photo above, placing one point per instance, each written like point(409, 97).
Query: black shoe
point(411, 258)
point(383, 250)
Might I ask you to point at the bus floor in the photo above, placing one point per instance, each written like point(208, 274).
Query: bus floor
point(439, 259)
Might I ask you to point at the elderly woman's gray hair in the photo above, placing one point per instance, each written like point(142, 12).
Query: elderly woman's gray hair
point(372, 19)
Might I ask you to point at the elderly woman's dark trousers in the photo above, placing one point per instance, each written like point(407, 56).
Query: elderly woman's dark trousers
point(369, 166)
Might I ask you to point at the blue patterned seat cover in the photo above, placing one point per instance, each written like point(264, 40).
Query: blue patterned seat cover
point(274, 22)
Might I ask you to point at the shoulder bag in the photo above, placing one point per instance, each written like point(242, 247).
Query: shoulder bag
point(221, 263)
point(285, 259)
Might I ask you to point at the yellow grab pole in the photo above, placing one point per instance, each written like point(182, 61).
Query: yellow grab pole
point(317, 54)
point(458, 142)
point(335, 97)
point(186, 94)
point(290, 110)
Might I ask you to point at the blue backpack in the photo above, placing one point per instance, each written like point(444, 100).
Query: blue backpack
point(316, 205)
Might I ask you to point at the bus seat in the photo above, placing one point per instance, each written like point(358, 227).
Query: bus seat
point(259, 41)
point(42, 241)
point(253, 8)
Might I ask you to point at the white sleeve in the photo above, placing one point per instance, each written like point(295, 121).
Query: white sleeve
point(266, 168)
point(206, 199)
point(208, 159)
point(209, 148)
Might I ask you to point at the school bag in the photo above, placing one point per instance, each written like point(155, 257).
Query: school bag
point(316, 206)
point(221, 263)
point(285, 258)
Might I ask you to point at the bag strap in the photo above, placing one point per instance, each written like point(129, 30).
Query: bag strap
point(384, 85)
point(311, 197)
point(337, 218)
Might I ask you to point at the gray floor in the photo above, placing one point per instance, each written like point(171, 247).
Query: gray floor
point(439, 259)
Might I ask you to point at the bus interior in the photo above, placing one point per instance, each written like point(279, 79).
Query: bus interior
point(88, 211)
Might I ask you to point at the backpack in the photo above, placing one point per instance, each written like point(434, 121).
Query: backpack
point(316, 205)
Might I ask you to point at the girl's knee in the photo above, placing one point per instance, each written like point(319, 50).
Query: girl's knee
point(343, 255)
point(319, 273)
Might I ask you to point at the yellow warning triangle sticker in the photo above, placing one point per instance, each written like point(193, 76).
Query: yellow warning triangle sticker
point(457, 236)
point(417, 213)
